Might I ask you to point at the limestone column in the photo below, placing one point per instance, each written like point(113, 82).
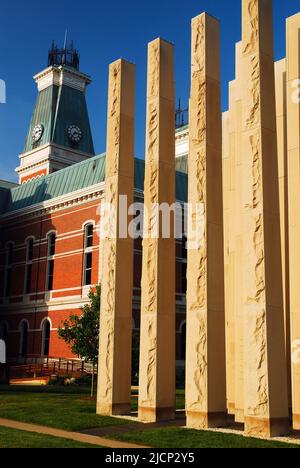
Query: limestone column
point(237, 227)
point(227, 260)
point(205, 356)
point(293, 129)
point(265, 379)
point(281, 118)
point(229, 183)
point(114, 380)
point(157, 344)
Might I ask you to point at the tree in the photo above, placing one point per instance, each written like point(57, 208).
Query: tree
point(81, 332)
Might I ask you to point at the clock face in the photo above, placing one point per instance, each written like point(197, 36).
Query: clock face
point(74, 133)
point(37, 133)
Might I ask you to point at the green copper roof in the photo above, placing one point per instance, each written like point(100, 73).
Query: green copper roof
point(44, 114)
point(71, 179)
point(5, 184)
point(5, 187)
point(72, 110)
point(4, 197)
point(56, 109)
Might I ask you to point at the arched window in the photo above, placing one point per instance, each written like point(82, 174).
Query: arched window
point(50, 262)
point(3, 331)
point(8, 268)
point(23, 338)
point(51, 244)
point(88, 254)
point(46, 330)
point(28, 271)
point(183, 340)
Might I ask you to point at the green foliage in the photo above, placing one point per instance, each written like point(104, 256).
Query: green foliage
point(180, 378)
point(135, 358)
point(81, 332)
point(83, 381)
point(60, 381)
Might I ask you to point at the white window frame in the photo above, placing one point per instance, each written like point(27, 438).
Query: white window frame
point(86, 251)
point(49, 259)
point(28, 262)
point(42, 327)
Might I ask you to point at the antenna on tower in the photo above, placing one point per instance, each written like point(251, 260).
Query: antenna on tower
point(67, 55)
point(66, 38)
point(181, 116)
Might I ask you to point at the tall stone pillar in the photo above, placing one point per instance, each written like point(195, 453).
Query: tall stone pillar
point(157, 345)
point(114, 380)
point(293, 129)
point(205, 356)
point(239, 241)
point(265, 379)
point(228, 260)
point(229, 186)
point(281, 118)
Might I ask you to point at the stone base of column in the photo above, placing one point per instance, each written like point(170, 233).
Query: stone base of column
point(151, 415)
point(231, 408)
point(198, 420)
point(296, 422)
point(117, 409)
point(259, 427)
point(239, 416)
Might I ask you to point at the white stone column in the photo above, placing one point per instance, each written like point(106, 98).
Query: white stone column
point(114, 379)
point(293, 132)
point(157, 345)
point(239, 241)
point(281, 118)
point(205, 355)
point(229, 188)
point(265, 379)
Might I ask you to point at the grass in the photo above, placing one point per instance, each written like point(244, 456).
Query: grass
point(187, 438)
point(180, 401)
point(12, 438)
point(69, 408)
point(62, 409)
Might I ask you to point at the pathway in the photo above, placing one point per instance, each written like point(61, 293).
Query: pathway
point(78, 437)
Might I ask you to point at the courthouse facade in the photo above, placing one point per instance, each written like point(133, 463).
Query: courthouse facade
point(49, 222)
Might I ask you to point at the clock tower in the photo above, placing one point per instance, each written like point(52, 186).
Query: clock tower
point(59, 134)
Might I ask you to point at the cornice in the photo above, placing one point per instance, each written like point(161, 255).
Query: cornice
point(59, 203)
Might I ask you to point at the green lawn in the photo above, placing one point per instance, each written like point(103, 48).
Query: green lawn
point(71, 409)
point(12, 438)
point(65, 410)
point(188, 438)
point(180, 401)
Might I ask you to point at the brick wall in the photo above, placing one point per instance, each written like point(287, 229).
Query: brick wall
point(68, 293)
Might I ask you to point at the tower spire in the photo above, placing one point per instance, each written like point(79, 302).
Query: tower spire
point(66, 38)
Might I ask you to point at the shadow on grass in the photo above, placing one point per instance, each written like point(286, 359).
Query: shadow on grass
point(188, 438)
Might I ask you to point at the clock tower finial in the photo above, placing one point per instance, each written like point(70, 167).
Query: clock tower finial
point(66, 56)
point(59, 134)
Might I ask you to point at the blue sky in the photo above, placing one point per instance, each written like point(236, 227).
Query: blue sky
point(103, 32)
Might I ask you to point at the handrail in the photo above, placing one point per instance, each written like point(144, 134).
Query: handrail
point(57, 366)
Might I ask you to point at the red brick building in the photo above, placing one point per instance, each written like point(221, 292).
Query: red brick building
point(49, 223)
